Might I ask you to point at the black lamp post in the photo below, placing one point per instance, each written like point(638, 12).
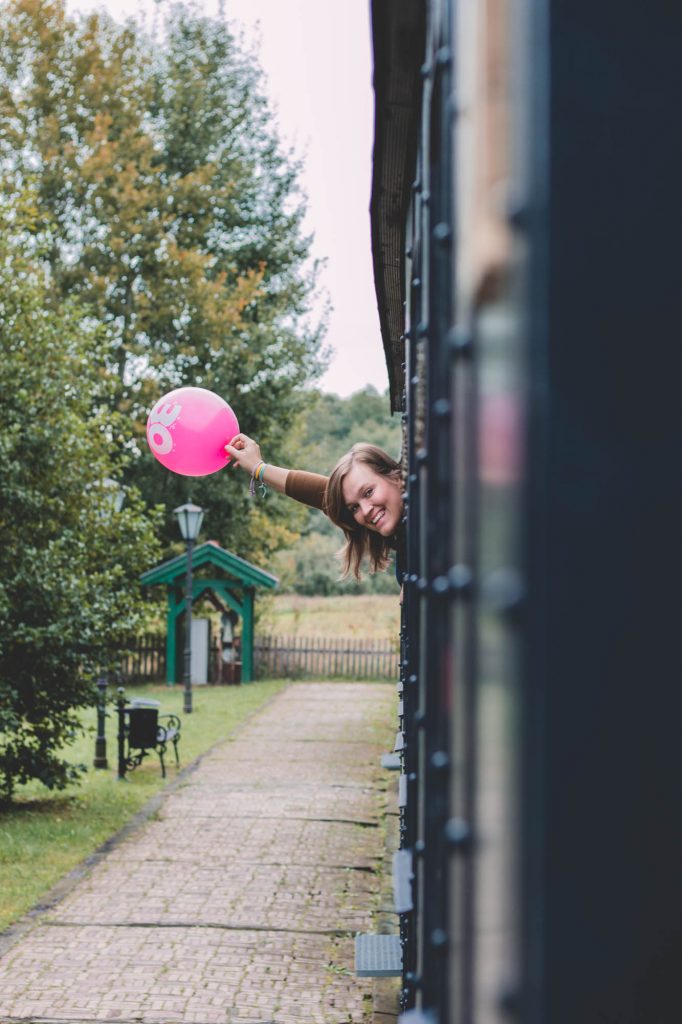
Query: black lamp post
point(115, 496)
point(189, 521)
point(100, 760)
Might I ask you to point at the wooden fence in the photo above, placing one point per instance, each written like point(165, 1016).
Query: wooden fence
point(278, 656)
point(145, 662)
point(325, 657)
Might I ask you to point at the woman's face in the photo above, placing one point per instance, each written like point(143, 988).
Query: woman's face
point(373, 500)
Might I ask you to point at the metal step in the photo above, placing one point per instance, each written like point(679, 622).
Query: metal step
point(391, 762)
point(403, 877)
point(378, 956)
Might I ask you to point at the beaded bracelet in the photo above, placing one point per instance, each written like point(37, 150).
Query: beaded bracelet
point(257, 477)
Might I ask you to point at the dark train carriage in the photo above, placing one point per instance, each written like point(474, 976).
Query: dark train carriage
point(525, 217)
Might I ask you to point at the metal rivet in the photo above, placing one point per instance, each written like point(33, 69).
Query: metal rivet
point(412, 679)
point(442, 408)
point(458, 834)
point(422, 455)
point(416, 282)
point(420, 847)
point(440, 760)
point(442, 233)
point(425, 70)
point(422, 585)
point(439, 938)
point(444, 56)
point(461, 578)
point(460, 341)
point(420, 718)
point(441, 585)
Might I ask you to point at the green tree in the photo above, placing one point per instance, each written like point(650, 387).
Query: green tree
point(69, 596)
point(310, 566)
point(178, 223)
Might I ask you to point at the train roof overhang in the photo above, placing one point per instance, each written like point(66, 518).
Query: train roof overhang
point(398, 33)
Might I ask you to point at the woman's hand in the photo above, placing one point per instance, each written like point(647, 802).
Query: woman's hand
point(245, 452)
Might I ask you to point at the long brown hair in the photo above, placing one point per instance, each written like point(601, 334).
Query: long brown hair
point(359, 540)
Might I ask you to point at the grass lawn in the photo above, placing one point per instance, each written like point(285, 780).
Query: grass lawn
point(44, 834)
point(362, 616)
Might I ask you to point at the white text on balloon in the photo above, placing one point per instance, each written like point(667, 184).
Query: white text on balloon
point(161, 418)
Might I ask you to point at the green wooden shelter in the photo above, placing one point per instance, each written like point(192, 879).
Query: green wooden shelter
point(218, 572)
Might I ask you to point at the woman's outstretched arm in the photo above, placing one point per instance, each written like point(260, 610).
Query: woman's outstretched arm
point(308, 488)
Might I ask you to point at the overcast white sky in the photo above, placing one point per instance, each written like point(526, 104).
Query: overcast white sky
point(317, 58)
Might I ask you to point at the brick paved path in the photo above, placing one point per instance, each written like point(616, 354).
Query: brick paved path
point(239, 900)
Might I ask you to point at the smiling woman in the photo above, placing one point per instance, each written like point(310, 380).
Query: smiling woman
point(363, 496)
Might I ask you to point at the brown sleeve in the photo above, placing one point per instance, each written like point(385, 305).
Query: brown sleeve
point(308, 488)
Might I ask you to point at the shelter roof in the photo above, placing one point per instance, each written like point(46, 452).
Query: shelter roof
point(210, 553)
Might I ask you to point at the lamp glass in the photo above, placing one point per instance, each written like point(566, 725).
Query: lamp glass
point(189, 520)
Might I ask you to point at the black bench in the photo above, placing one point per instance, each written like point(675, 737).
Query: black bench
point(142, 729)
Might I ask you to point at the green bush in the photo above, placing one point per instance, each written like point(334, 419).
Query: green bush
point(68, 577)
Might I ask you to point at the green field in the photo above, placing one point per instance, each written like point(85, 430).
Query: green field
point(366, 616)
point(44, 834)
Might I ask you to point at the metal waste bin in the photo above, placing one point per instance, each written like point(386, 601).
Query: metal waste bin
point(143, 727)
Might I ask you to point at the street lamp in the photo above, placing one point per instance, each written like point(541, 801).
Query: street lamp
point(114, 498)
point(189, 521)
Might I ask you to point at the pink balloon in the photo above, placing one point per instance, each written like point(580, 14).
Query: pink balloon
point(187, 431)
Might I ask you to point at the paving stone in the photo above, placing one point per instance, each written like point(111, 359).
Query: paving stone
point(239, 902)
